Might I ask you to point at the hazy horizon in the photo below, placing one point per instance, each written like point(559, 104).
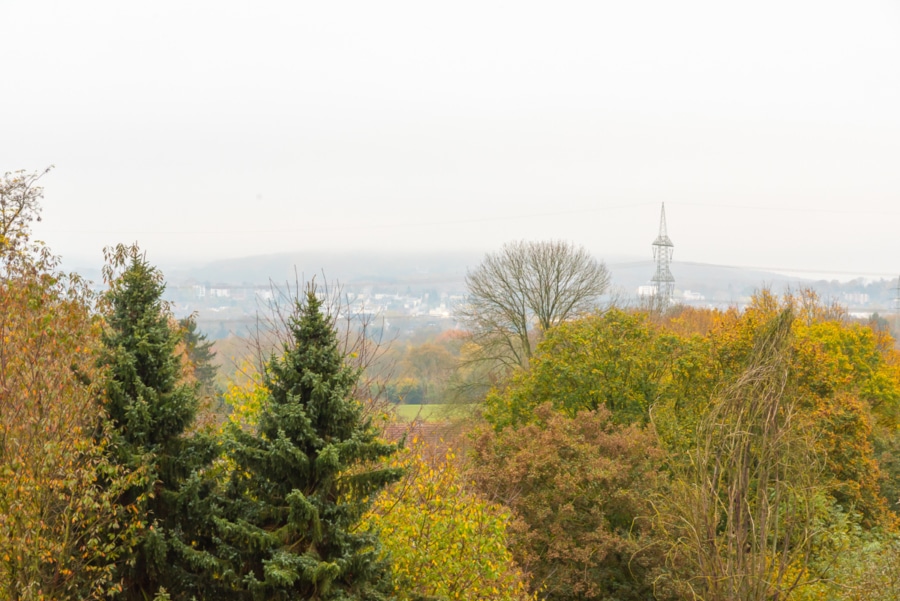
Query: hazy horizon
point(213, 130)
point(336, 266)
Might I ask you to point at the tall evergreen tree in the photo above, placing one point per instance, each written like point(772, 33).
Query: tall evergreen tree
point(304, 479)
point(199, 361)
point(151, 408)
point(199, 354)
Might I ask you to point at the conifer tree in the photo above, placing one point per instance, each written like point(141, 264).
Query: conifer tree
point(304, 479)
point(199, 362)
point(199, 354)
point(151, 408)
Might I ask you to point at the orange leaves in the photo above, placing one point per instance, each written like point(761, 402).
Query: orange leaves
point(578, 488)
point(48, 458)
point(841, 382)
point(846, 376)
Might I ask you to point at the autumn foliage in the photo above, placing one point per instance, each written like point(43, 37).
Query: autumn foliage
point(444, 539)
point(579, 488)
point(835, 420)
point(694, 454)
point(60, 524)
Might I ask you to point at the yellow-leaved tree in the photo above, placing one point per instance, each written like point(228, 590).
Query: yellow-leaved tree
point(444, 540)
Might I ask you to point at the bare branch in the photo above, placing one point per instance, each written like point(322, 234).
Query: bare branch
point(525, 289)
point(361, 335)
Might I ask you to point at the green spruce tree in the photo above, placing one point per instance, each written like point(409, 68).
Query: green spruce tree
point(199, 354)
point(304, 479)
point(199, 360)
point(151, 409)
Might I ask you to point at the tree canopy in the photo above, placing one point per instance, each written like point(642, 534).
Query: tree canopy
point(61, 534)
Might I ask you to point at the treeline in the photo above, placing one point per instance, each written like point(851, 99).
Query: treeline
point(700, 454)
point(667, 453)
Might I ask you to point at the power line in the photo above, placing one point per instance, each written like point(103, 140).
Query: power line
point(505, 217)
point(788, 209)
point(441, 223)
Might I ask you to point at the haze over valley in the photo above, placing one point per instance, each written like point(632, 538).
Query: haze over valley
point(418, 291)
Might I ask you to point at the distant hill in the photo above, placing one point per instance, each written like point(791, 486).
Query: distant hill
point(432, 269)
point(715, 282)
point(228, 294)
point(446, 270)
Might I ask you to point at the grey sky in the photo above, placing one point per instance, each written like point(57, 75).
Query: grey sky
point(223, 128)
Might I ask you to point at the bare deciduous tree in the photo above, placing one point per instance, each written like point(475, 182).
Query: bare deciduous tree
point(525, 289)
point(360, 334)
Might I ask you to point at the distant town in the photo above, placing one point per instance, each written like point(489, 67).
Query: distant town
point(414, 302)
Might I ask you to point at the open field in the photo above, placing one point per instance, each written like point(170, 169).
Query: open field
point(425, 412)
point(434, 412)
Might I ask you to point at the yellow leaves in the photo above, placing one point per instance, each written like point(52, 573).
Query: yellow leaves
point(443, 539)
point(50, 504)
point(246, 395)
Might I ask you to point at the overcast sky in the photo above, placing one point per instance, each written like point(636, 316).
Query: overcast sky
point(771, 129)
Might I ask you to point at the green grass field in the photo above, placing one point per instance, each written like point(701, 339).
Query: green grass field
point(431, 413)
point(425, 412)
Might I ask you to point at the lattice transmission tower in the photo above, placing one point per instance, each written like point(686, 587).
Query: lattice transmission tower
point(663, 279)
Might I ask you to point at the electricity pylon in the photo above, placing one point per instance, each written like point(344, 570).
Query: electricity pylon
point(662, 256)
